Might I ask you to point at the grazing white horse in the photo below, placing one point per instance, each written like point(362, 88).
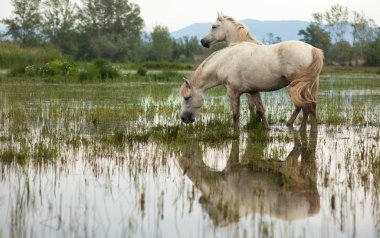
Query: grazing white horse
point(250, 68)
point(231, 31)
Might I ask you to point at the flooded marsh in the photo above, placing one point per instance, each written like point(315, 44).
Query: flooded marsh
point(114, 160)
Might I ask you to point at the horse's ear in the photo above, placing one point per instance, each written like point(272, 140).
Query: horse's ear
point(187, 83)
point(220, 16)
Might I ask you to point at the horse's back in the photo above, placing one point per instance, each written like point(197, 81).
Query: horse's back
point(294, 56)
point(250, 67)
point(264, 67)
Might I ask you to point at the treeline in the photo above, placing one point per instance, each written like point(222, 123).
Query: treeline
point(112, 30)
point(329, 31)
point(109, 29)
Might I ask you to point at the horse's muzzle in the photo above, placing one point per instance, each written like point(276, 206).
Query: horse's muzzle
point(205, 43)
point(187, 118)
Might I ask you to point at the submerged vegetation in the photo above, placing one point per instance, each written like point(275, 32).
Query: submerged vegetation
point(70, 152)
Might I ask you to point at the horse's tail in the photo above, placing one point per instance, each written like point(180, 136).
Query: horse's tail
point(304, 85)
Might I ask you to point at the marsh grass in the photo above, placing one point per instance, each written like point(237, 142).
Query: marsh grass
point(13, 55)
point(120, 141)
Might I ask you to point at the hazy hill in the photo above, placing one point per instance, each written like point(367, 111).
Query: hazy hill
point(287, 30)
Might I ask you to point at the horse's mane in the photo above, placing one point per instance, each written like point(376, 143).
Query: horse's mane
point(243, 31)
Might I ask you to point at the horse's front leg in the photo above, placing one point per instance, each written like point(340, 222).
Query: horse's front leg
point(260, 108)
point(251, 104)
point(235, 104)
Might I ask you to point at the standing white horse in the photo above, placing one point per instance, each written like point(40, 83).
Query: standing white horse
point(250, 68)
point(231, 31)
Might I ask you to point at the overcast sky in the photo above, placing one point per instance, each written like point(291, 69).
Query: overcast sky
point(177, 14)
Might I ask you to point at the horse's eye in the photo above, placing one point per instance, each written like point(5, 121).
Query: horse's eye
point(186, 98)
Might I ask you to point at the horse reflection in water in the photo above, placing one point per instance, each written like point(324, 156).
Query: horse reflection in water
point(248, 184)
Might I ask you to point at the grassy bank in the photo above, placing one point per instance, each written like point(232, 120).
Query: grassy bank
point(49, 65)
point(13, 55)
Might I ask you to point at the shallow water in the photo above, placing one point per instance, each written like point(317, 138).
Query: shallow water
point(114, 160)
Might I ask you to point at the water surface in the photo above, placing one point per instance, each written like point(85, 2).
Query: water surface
point(113, 160)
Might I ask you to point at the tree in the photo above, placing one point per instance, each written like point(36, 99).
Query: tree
point(161, 45)
point(372, 54)
point(315, 35)
point(110, 29)
point(25, 26)
point(270, 38)
point(363, 32)
point(337, 21)
point(59, 22)
point(186, 49)
point(341, 52)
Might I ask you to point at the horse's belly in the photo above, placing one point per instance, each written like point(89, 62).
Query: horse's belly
point(264, 84)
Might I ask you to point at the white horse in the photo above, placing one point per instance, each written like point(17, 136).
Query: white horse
point(251, 68)
point(231, 31)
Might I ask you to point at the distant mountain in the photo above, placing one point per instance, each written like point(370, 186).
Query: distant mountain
point(286, 30)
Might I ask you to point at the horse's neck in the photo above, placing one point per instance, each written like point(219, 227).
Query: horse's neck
point(233, 38)
point(207, 81)
point(208, 84)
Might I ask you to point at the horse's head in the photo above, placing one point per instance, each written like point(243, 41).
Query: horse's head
point(192, 102)
point(218, 32)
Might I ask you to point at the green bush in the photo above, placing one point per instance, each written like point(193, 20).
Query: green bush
point(105, 69)
point(62, 67)
point(57, 67)
point(98, 69)
point(141, 71)
point(17, 70)
point(87, 74)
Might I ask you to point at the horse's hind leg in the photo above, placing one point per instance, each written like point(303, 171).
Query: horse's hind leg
point(260, 108)
point(313, 118)
point(310, 109)
point(293, 117)
point(305, 111)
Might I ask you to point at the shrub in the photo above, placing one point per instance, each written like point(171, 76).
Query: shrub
point(17, 70)
point(57, 67)
point(62, 67)
point(98, 69)
point(141, 71)
point(87, 74)
point(105, 69)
